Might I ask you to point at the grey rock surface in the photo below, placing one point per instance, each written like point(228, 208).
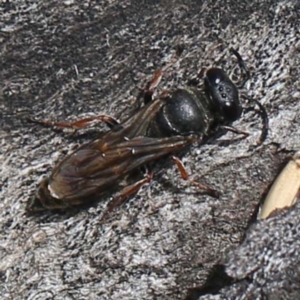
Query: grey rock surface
point(65, 60)
point(266, 265)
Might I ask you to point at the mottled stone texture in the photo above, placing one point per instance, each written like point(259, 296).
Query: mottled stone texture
point(69, 59)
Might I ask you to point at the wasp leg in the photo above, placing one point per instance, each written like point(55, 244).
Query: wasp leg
point(146, 94)
point(152, 85)
point(264, 117)
point(234, 130)
point(82, 123)
point(208, 190)
point(126, 192)
point(196, 80)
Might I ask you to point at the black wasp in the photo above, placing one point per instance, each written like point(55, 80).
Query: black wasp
point(163, 126)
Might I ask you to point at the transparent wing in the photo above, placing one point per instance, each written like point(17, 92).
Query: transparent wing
point(89, 170)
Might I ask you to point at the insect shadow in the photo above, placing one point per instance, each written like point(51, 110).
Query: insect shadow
point(164, 126)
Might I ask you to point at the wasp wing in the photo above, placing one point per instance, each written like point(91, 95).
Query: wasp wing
point(96, 166)
point(89, 171)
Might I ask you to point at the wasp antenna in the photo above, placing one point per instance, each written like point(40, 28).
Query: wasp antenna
point(242, 66)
